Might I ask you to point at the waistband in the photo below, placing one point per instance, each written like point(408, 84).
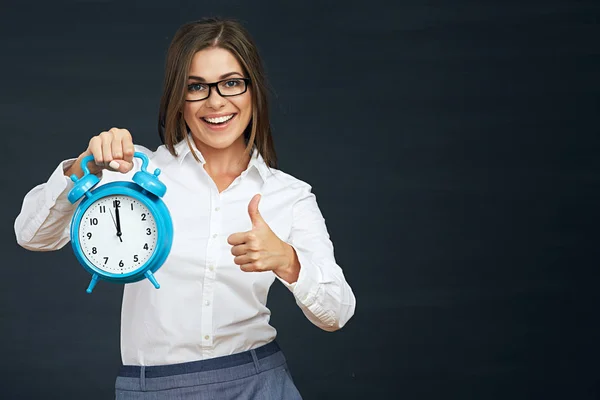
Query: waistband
point(233, 360)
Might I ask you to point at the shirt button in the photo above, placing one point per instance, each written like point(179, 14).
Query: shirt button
point(217, 208)
point(207, 303)
point(211, 267)
point(206, 337)
point(214, 235)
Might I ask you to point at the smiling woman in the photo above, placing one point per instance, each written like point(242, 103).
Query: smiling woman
point(206, 332)
point(216, 122)
point(201, 53)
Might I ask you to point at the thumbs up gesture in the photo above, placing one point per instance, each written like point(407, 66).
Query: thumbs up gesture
point(260, 250)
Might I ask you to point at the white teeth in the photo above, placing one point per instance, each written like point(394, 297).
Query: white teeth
point(219, 120)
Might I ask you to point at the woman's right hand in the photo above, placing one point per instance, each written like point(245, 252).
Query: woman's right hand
point(112, 150)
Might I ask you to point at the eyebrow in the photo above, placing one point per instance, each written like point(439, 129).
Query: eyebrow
point(224, 76)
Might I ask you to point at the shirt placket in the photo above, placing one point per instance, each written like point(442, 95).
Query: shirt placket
point(212, 251)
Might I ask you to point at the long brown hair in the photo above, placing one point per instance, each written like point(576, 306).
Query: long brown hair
point(229, 35)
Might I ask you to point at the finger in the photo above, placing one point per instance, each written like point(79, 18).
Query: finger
point(239, 250)
point(116, 147)
point(256, 266)
point(95, 149)
point(107, 156)
point(255, 216)
point(246, 258)
point(128, 148)
point(118, 163)
point(248, 268)
point(239, 238)
point(122, 150)
point(121, 166)
point(117, 154)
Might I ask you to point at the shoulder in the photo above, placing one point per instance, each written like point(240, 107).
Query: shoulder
point(278, 181)
point(161, 157)
point(153, 154)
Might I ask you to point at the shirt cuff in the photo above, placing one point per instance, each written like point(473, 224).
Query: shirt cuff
point(305, 288)
point(58, 187)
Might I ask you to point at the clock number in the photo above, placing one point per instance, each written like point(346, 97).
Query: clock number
point(102, 209)
point(94, 250)
point(94, 221)
point(146, 246)
point(131, 206)
point(105, 260)
point(121, 264)
point(143, 217)
point(116, 203)
point(148, 231)
point(89, 235)
point(135, 258)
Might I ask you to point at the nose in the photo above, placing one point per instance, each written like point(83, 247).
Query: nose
point(215, 100)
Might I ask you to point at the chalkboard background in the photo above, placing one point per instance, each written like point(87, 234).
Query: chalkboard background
point(453, 148)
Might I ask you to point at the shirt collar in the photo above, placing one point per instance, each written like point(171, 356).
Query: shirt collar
point(256, 161)
point(259, 164)
point(183, 150)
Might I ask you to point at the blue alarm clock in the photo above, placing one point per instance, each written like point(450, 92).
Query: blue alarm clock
point(122, 231)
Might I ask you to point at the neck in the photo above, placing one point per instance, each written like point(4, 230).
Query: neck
point(227, 161)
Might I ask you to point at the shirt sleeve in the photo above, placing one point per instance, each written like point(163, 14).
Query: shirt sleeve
point(44, 222)
point(45, 218)
point(321, 290)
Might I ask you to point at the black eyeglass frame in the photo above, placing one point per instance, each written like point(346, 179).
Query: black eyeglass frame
point(216, 85)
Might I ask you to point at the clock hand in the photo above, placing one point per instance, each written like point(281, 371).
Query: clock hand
point(118, 222)
point(115, 222)
point(113, 218)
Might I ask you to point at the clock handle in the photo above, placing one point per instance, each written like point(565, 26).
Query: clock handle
point(140, 155)
point(152, 279)
point(84, 164)
point(83, 185)
point(87, 159)
point(144, 159)
point(92, 283)
point(147, 181)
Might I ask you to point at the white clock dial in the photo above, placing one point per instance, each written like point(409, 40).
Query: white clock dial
point(114, 250)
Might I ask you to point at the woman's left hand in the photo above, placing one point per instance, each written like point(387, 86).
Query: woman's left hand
point(260, 250)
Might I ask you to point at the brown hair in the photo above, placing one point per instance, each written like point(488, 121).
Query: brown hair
point(188, 40)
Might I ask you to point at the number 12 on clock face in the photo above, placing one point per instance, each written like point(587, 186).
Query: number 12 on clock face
point(117, 234)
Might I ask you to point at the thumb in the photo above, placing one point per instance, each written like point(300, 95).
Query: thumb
point(255, 216)
point(121, 166)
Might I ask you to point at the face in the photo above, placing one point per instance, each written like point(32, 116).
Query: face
point(217, 122)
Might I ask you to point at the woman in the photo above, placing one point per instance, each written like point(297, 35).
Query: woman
point(239, 224)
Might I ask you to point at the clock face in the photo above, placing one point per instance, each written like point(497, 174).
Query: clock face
point(117, 234)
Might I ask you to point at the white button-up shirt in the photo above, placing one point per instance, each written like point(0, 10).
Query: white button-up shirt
point(206, 306)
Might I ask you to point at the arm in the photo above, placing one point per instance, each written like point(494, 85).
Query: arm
point(44, 221)
point(321, 290)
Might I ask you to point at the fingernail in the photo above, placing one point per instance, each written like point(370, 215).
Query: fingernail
point(113, 164)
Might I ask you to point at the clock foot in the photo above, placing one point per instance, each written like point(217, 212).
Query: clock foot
point(92, 283)
point(152, 279)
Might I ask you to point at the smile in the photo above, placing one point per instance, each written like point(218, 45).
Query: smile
point(218, 120)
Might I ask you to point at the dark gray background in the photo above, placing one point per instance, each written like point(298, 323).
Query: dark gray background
point(453, 148)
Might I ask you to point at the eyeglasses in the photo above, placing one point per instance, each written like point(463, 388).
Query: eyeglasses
point(226, 88)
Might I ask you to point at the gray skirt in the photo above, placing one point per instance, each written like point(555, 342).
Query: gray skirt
point(261, 373)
